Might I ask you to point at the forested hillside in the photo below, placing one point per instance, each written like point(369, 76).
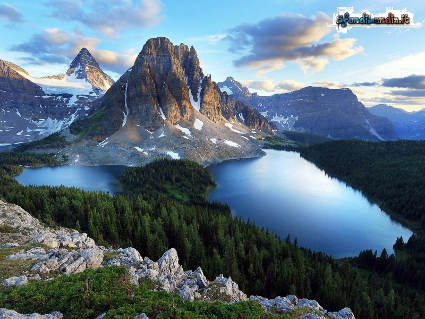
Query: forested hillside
point(207, 234)
point(392, 175)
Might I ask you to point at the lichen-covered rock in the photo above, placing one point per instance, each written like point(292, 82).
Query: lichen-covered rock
point(200, 277)
point(312, 316)
point(278, 303)
point(345, 313)
point(33, 253)
point(313, 304)
point(11, 314)
point(74, 240)
point(125, 257)
point(15, 281)
point(70, 262)
point(230, 288)
point(169, 263)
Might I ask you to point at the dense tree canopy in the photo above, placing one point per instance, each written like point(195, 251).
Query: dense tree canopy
point(152, 215)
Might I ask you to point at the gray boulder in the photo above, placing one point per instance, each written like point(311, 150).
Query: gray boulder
point(278, 303)
point(312, 316)
point(230, 288)
point(11, 314)
point(169, 263)
point(15, 281)
point(345, 313)
point(33, 253)
point(74, 240)
point(313, 304)
point(70, 262)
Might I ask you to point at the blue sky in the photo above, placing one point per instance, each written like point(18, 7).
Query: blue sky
point(272, 46)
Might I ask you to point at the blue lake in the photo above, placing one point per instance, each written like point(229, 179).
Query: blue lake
point(289, 195)
point(89, 178)
point(280, 191)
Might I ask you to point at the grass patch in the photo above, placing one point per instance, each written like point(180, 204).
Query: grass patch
point(81, 127)
point(10, 268)
point(108, 289)
point(8, 229)
point(55, 140)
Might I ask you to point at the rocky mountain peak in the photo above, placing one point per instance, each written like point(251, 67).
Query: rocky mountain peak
point(165, 87)
point(83, 59)
point(233, 87)
point(84, 66)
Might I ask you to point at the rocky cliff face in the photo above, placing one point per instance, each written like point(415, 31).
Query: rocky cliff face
point(67, 251)
point(334, 113)
point(165, 94)
point(32, 108)
point(166, 84)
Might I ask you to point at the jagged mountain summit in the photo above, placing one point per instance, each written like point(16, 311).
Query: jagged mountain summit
point(408, 125)
point(165, 106)
point(334, 113)
point(32, 108)
point(234, 88)
point(84, 66)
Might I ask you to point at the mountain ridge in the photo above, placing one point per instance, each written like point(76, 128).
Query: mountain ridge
point(408, 125)
point(333, 113)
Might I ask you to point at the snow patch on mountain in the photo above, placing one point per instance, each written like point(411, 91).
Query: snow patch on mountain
point(198, 124)
point(173, 155)
point(226, 89)
point(184, 130)
point(127, 111)
point(231, 143)
point(141, 150)
point(162, 113)
point(230, 126)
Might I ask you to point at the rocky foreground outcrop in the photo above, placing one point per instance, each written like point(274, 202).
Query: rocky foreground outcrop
point(64, 251)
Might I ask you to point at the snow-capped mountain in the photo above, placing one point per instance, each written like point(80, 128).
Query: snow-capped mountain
point(85, 67)
point(334, 113)
point(165, 106)
point(408, 125)
point(32, 108)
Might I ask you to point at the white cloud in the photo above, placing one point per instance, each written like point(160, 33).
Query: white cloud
point(108, 17)
point(410, 64)
point(56, 46)
point(269, 44)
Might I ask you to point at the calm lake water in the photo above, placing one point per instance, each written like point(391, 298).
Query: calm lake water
point(280, 191)
point(289, 195)
point(89, 178)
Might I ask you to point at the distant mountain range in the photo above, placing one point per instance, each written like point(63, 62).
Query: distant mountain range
point(32, 108)
point(333, 113)
point(408, 125)
point(164, 105)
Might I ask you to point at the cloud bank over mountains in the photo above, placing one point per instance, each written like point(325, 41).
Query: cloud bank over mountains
point(267, 45)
